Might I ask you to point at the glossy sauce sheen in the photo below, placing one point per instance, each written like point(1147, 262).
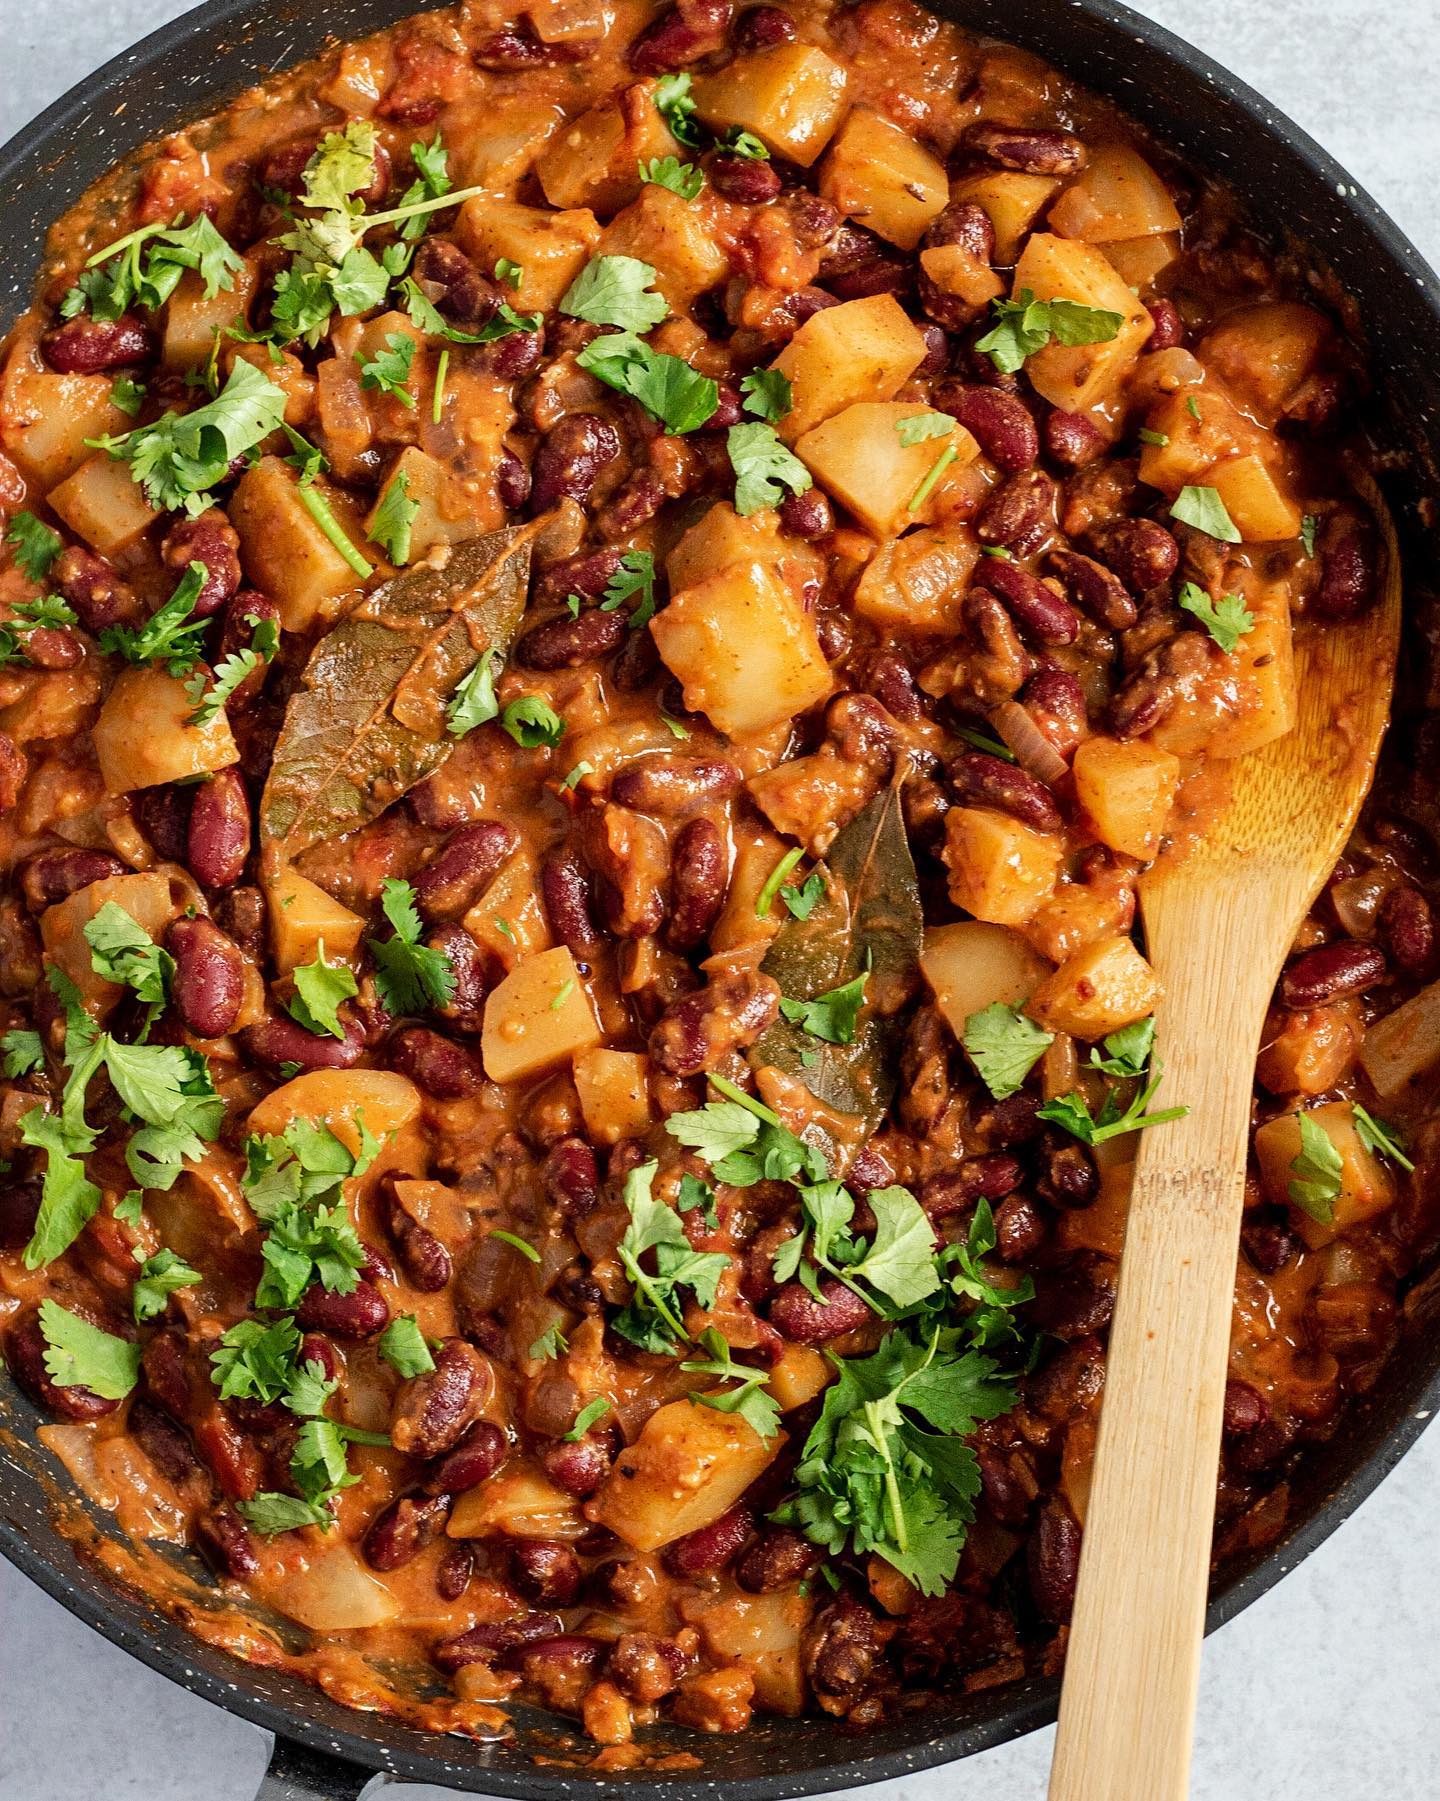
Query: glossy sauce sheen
point(642, 840)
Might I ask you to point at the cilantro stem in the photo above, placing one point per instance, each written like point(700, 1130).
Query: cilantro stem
point(442, 368)
point(922, 493)
point(650, 1291)
point(741, 1099)
point(765, 898)
point(131, 237)
point(318, 508)
point(436, 203)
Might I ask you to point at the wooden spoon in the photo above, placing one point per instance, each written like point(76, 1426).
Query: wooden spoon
point(1219, 924)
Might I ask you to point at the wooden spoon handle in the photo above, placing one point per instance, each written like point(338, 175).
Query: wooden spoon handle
point(1133, 1659)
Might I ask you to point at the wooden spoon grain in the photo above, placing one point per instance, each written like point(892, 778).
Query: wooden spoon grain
point(1219, 924)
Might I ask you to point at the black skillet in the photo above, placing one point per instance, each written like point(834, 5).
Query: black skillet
point(194, 65)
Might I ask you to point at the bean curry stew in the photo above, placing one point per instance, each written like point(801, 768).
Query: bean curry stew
point(600, 612)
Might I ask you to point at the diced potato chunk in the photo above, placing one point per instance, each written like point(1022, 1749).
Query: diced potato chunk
point(1013, 202)
point(1247, 698)
point(507, 136)
point(1101, 988)
point(519, 1503)
point(1401, 1047)
point(972, 964)
point(1139, 262)
point(595, 160)
point(339, 1098)
point(1264, 353)
point(1116, 195)
point(1081, 375)
point(744, 650)
point(1366, 1187)
point(721, 537)
point(860, 350)
point(918, 583)
point(757, 851)
point(508, 921)
point(103, 504)
point(48, 417)
point(144, 737)
point(954, 269)
point(285, 553)
point(538, 1016)
point(689, 1465)
point(877, 174)
point(798, 1375)
point(762, 1634)
point(1128, 789)
point(551, 248)
point(1199, 426)
point(614, 1094)
point(191, 320)
point(1000, 870)
point(150, 898)
point(303, 916)
point(859, 457)
point(791, 96)
point(671, 234)
point(1261, 512)
point(447, 513)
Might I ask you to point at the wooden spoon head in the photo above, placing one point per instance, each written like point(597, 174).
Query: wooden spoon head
point(1292, 804)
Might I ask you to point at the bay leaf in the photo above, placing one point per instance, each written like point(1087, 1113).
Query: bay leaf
point(368, 722)
point(868, 919)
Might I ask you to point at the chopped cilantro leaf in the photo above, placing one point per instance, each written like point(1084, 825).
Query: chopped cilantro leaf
point(615, 290)
point(1203, 508)
point(79, 1355)
point(409, 974)
point(1227, 620)
point(1004, 1046)
point(402, 1345)
point(765, 471)
point(35, 545)
point(1025, 325)
point(320, 987)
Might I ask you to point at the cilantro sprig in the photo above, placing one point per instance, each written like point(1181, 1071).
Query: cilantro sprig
point(616, 290)
point(409, 974)
point(656, 1255)
point(750, 1400)
point(295, 1186)
point(34, 544)
point(1315, 1171)
point(171, 635)
point(1024, 326)
point(79, 1355)
point(1227, 620)
point(666, 386)
point(765, 471)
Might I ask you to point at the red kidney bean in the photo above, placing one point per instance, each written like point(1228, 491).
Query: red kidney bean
point(1348, 568)
point(1245, 1408)
point(860, 266)
point(1030, 150)
point(512, 481)
point(56, 874)
point(424, 1259)
point(1142, 553)
point(50, 647)
point(484, 1643)
point(545, 1570)
point(981, 780)
point(1052, 1559)
point(506, 52)
point(991, 1176)
point(464, 1012)
point(436, 1065)
point(360, 1314)
point(637, 500)
point(682, 35)
point(798, 1316)
point(19, 1208)
point(588, 575)
point(164, 1365)
point(1020, 514)
point(511, 358)
point(1268, 1243)
point(463, 292)
point(1073, 439)
point(1019, 1229)
point(1264, 1447)
point(224, 1541)
point(670, 785)
point(1071, 1303)
point(209, 984)
point(579, 1467)
point(708, 1550)
point(808, 516)
point(1094, 589)
point(571, 1177)
point(212, 540)
point(1002, 424)
point(570, 458)
point(244, 610)
point(1163, 679)
point(814, 222)
point(401, 1532)
point(218, 839)
point(94, 590)
point(1007, 1495)
point(316, 1348)
point(646, 1667)
point(1069, 1178)
point(1407, 928)
point(779, 1558)
point(433, 1412)
point(747, 180)
point(164, 1442)
point(241, 914)
point(699, 882)
point(84, 346)
point(163, 815)
point(966, 223)
point(1169, 326)
point(468, 861)
point(565, 890)
point(474, 1460)
point(845, 1655)
point(729, 1012)
point(280, 1040)
point(1037, 610)
point(457, 1566)
point(630, 858)
point(567, 643)
point(1331, 971)
point(763, 26)
point(24, 1347)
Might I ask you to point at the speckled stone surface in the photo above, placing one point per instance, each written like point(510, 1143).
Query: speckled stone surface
point(1325, 1688)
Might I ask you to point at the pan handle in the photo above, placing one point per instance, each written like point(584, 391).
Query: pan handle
point(296, 1773)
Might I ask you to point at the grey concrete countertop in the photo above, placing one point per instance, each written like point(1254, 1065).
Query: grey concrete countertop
point(1325, 1688)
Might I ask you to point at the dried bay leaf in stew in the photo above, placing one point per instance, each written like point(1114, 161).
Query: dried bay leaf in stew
point(867, 924)
point(369, 722)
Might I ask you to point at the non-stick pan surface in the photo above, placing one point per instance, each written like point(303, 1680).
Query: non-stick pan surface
point(194, 65)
